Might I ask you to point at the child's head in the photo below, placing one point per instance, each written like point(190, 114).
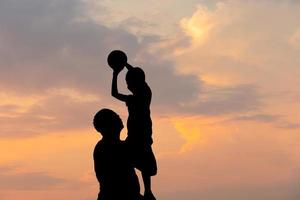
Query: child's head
point(108, 123)
point(135, 79)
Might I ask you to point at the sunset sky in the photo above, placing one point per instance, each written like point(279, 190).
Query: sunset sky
point(225, 77)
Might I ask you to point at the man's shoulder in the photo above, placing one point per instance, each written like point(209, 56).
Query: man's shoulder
point(99, 147)
point(103, 146)
point(99, 144)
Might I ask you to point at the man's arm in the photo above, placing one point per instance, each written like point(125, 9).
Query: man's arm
point(97, 165)
point(114, 88)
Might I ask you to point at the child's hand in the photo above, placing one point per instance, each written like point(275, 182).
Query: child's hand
point(117, 71)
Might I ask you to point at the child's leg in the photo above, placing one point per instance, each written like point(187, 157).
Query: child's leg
point(147, 182)
point(148, 195)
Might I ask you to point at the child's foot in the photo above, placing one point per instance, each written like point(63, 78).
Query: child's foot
point(149, 196)
point(140, 197)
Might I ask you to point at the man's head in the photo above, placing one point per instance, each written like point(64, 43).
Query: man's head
point(108, 123)
point(135, 78)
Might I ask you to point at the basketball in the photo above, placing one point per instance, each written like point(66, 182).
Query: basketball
point(117, 59)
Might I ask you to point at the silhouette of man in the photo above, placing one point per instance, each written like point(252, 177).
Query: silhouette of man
point(114, 171)
point(139, 124)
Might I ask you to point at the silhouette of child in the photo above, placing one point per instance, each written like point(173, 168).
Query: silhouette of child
point(113, 168)
point(139, 124)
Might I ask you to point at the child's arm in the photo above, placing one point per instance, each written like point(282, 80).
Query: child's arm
point(114, 88)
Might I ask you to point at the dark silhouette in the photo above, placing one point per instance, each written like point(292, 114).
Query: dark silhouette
point(139, 123)
point(113, 168)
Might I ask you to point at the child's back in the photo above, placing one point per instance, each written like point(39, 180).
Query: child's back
point(139, 123)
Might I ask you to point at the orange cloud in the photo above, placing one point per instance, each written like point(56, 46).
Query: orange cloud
point(195, 131)
point(198, 26)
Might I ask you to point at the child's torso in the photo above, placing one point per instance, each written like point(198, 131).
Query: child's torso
point(139, 123)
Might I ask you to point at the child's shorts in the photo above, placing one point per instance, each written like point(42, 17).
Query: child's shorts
point(143, 159)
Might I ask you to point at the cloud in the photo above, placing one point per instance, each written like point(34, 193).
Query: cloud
point(200, 24)
point(225, 100)
point(276, 192)
point(8, 108)
point(295, 39)
point(55, 48)
point(236, 43)
point(276, 120)
point(53, 44)
point(55, 51)
point(243, 41)
point(258, 117)
point(13, 180)
point(232, 164)
point(55, 112)
point(61, 47)
point(289, 125)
